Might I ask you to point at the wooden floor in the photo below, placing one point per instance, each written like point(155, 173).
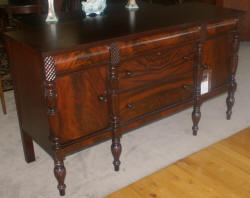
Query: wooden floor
point(221, 170)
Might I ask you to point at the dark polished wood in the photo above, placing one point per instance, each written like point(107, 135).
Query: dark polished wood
point(86, 80)
point(244, 27)
point(196, 114)
point(83, 31)
point(28, 147)
point(2, 97)
point(19, 7)
point(232, 81)
point(113, 99)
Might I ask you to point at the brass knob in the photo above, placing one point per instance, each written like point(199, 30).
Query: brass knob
point(159, 53)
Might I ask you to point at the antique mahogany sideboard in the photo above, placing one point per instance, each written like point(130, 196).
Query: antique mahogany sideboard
point(87, 79)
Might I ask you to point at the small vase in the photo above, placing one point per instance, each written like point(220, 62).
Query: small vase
point(51, 12)
point(132, 5)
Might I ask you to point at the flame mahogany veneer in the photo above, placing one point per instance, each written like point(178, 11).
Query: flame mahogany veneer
point(85, 80)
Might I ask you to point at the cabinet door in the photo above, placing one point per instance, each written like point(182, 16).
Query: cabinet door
point(216, 57)
point(82, 109)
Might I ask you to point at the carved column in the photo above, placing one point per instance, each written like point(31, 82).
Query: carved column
point(232, 82)
point(51, 101)
point(116, 147)
point(196, 115)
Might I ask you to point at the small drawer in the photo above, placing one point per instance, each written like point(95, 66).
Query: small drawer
point(139, 102)
point(82, 59)
point(156, 66)
point(221, 27)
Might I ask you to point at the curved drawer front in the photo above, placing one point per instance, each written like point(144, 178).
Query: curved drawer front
point(82, 59)
point(156, 66)
point(221, 27)
point(139, 102)
point(164, 40)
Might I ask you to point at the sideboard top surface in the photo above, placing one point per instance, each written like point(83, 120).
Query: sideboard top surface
point(74, 29)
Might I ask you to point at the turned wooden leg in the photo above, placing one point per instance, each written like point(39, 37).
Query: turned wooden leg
point(196, 114)
point(60, 173)
point(59, 170)
point(113, 99)
point(54, 122)
point(230, 100)
point(28, 147)
point(232, 82)
point(116, 149)
point(2, 98)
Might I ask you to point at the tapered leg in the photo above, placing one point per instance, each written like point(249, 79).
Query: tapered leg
point(116, 149)
point(60, 173)
point(54, 123)
point(113, 99)
point(196, 115)
point(59, 170)
point(230, 100)
point(2, 98)
point(28, 147)
point(232, 82)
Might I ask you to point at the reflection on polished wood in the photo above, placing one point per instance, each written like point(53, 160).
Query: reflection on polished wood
point(86, 80)
point(221, 170)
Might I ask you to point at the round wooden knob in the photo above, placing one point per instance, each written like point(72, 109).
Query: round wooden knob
point(186, 58)
point(102, 98)
point(187, 86)
point(204, 66)
point(130, 105)
point(129, 73)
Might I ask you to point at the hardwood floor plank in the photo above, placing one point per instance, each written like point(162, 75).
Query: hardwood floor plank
point(155, 188)
point(219, 171)
point(125, 193)
point(197, 173)
point(238, 160)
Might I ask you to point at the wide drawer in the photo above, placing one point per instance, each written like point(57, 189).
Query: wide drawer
point(142, 101)
point(168, 39)
point(157, 65)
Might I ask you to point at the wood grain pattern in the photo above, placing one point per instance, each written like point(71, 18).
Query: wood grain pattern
point(81, 59)
point(81, 109)
point(161, 40)
point(155, 66)
point(214, 49)
point(99, 78)
point(221, 170)
point(221, 27)
point(141, 101)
